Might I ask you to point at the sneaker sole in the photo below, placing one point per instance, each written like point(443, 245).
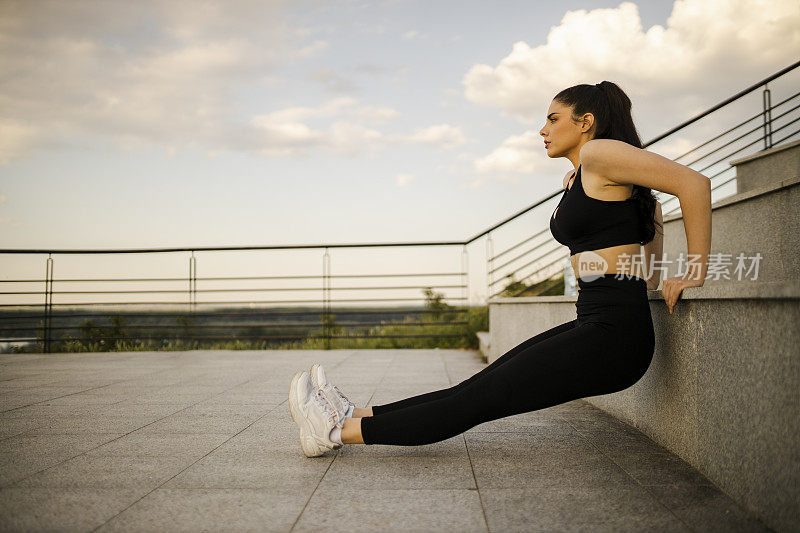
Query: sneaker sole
point(307, 441)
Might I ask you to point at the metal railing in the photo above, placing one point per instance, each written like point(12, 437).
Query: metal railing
point(441, 317)
point(437, 318)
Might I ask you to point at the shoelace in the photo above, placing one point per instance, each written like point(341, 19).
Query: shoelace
point(332, 404)
point(326, 407)
point(342, 395)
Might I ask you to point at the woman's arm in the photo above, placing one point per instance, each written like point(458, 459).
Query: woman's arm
point(654, 250)
point(623, 163)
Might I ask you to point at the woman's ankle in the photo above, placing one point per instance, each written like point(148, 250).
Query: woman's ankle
point(351, 431)
point(360, 412)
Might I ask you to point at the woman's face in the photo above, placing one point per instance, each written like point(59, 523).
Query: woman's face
point(562, 135)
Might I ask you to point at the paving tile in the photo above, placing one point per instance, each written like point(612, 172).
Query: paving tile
point(658, 468)
point(159, 445)
point(434, 471)
point(393, 510)
point(705, 508)
point(203, 440)
point(92, 424)
point(24, 455)
point(546, 446)
point(183, 510)
point(276, 467)
point(502, 471)
point(126, 471)
point(446, 448)
point(199, 424)
point(12, 426)
point(60, 509)
point(577, 507)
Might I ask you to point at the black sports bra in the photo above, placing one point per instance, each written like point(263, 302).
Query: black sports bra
point(585, 223)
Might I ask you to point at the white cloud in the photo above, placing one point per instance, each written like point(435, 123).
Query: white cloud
point(410, 34)
point(313, 48)
point(16, 139)
point(518, 154)
point(285, 132)
point(665, 70)
point(139, 73)
point(442, 136)
point(404, 179)
point(705, 43)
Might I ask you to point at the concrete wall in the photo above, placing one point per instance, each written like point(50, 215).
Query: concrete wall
point(722, 392)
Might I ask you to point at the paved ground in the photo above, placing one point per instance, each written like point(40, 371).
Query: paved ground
point(191, 441)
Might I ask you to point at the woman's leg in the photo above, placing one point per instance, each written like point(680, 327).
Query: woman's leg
point(580, 361)
point(443, 393)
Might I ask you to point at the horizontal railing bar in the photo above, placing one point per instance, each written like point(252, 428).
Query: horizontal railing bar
point(233, 302)
point(233, 248)
point(237, 337)
point(748, 145)
point(195, 291)
point(520, 256)
point(529, 263)
point(788, 136)
point(514, 216)
point(231, 278)
point(232, 325)
point(723, 103)
point(754, 117)
point(546, 287)
point(743, 135)
point(533, 273)
point(524, 241)
point(202, 314)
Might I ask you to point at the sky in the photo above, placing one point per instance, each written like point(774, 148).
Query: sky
point(234, 123)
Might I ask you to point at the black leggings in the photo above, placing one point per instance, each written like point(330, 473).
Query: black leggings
point(606, 349)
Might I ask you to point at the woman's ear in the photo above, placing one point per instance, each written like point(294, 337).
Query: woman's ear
point(588, 122)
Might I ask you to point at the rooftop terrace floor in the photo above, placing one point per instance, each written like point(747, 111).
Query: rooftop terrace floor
point(203, 440)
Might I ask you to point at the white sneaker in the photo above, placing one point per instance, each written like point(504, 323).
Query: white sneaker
point(341, 402)
point(313, 413)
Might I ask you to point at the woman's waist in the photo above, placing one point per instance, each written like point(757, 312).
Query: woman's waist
point(611, 289)
point(621, 259)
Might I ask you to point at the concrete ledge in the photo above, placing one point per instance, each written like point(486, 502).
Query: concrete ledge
point(720, 290)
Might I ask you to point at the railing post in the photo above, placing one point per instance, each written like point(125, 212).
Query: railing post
point(192, 282)
point(192, 297)
point(489, 265)
point(767, 106)
point(326, 273)
point(48, 302)
point(465, 275)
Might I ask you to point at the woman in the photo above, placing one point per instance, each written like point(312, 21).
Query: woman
point(606, 213)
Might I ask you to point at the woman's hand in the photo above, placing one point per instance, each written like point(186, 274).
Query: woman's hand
point(673, 287)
